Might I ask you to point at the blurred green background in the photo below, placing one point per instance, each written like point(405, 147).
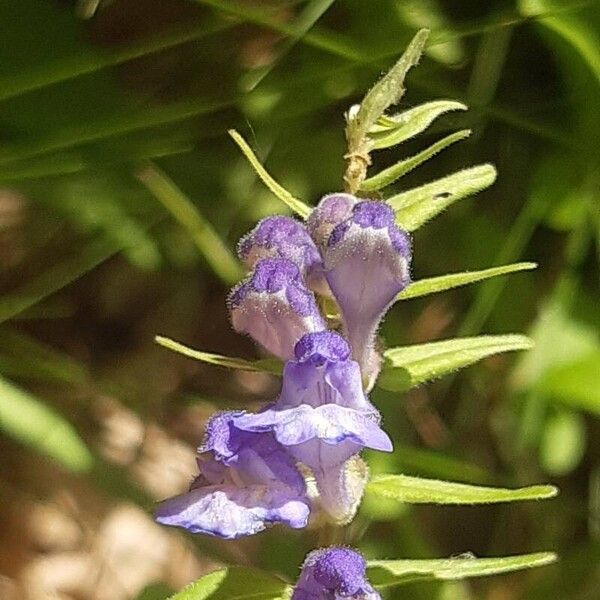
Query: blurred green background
point(115, 167)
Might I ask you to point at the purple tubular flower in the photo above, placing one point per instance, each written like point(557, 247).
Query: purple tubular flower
point(247, 481)
point(331, 211)
point(282, 237)
point(323, 418)
point(367, 263)
point(274, 307)
point(335, 573)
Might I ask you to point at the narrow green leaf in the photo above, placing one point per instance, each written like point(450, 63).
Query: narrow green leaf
point(296, 205)
point(108, 127)
point(387, 91)
point(217, 255)
point(433, 285)
point(31, 422)
point(265, 366)
point(393, 173)
point(236, 583)
point(60, 275)
point(389, 573)
point(415, 490)
point(398, 128)
point(417, 206)
point(408, 366)
point(77, 65)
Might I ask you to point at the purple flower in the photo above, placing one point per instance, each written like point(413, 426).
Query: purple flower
point(274, 307)
point(323, 418)
point(247, 481)
point(367, 263)
point(331, 211)
point(283, 237)
point(335, 573)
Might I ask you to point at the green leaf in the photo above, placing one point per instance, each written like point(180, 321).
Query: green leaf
point(391, 174)
point(408, 366)
point(419, 205)
point(273, 366)
point(236, 583)
point(60, 275)
point(217, 255)
point(389, 573)
point(415, 490)
point(386, 92)
point(433, 285)
point(398, 128)
point(31, 422)
point(575, 384)
point(296, 205)
point(563, 443)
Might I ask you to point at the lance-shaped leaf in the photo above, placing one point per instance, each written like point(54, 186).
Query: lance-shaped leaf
point(417, 206)
point(296, 205)
point(390, 573)
point(269, 365)
point(395, 129)
point(433, 285)
point(235, 583)
point(31, 422)
point(408, 366)
point(393, 173)
point(416, 490)
point(386, 92)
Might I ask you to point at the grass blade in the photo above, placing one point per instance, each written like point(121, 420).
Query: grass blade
point(217, 255)
point(31, 422)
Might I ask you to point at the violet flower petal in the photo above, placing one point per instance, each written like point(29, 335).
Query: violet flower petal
point(367, 263)
point(229, 511)
point(274, 307)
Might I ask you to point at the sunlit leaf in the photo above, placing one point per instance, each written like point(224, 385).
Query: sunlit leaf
point(82, 64)
point(30, 421)
point(419, 205)
point(386, 92)
point(416, 490)
point(266, 365)
point(296, 205)
point(433, 285)
point(235, 583)
point(563, 442)
point(408, 366)
point(398, 128)
point(389, 573)
point(217, 255)
point(391, 174)
point(575, 384)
